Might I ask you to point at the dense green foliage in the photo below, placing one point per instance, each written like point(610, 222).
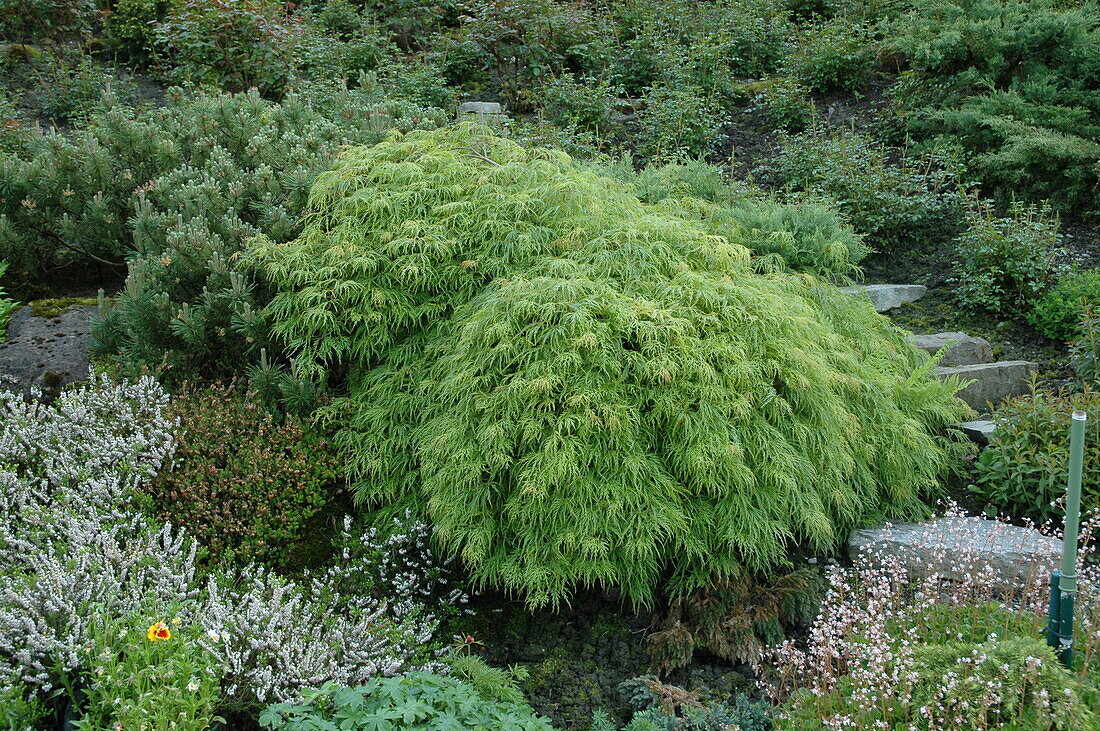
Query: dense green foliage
point(7, 305)
point(418, 700)
point(1018, 83)
point(663, 707)
point(897, 205)
point(243, 484)
point(1023, 470)
point(1007, 263)
point(1058, 313)
point(578, 387)
point(180, 188)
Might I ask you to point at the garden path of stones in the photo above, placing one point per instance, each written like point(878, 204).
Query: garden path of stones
point(947, 544)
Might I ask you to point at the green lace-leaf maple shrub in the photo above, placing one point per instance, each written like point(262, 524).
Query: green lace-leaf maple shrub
point(580, 388)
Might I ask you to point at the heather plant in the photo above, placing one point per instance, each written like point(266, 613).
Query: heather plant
point(1022, 471)
point(1059, 312)
point(244, 484)
point(833, 54)
point(1006, 263)
point(896, 205)
point(934, 649)
point(516, 340)
point(79, 564)
point(412, 701)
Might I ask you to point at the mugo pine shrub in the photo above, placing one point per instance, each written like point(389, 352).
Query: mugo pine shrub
point(576, 387)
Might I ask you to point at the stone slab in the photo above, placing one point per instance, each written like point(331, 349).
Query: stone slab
point(47, 353)
point(991, 383)
point(956, 545)
point(961, 349)
point(978, 431)
point(886, 297)
point(480, 108)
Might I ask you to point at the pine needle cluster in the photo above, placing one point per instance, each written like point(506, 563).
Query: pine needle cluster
point(579, 388)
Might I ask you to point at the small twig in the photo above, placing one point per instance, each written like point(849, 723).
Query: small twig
point(479, 156)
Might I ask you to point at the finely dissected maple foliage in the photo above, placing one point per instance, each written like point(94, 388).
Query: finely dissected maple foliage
point(580, 388)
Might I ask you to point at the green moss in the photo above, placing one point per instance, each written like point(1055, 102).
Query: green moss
point(57, 306)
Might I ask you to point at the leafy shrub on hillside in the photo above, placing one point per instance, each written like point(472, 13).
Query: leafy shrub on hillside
point(587, 104)
point(526, 41)
point(784, 102)
point(31, 21)
point(1017, 83)
point(415, 701)
point(678, 123)
point(243, 484)
point(897, 205)
point(1023, 470)
point(130, 27)
point(579, 388)
point(233, 45)
point(1058, 313)
point(1006, 263)
point(833, 54)
point(708, 46)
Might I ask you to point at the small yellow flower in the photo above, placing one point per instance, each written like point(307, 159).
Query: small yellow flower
point(158, 631)
point(177, 622)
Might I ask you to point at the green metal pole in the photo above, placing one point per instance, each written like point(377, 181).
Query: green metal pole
point(1067, 583)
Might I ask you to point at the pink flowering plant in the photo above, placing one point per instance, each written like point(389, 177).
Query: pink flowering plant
point(896, 647)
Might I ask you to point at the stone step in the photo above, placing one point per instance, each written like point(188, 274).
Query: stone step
point(991, 383)
point(962, 349)
point(955, 547)
point(886, 297)
point(978, 431)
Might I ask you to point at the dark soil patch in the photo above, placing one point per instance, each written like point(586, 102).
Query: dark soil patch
point(578, 656)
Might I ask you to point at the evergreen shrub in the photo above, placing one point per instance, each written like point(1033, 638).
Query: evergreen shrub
point(576, 387)
point(1017, 83)
point(1059, 312)
point(177, 190)
point(242, 483)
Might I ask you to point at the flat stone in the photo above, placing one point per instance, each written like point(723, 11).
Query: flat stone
point(962, 349)
point(978, 431)
point(961, 545)
point(480, 108)
point(886, 297)
point(991, 383)
point(46, 353)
